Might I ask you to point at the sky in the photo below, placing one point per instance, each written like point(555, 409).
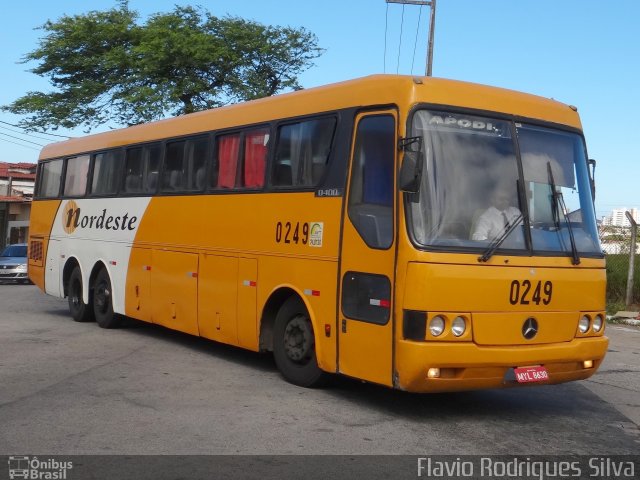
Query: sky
point(581, 52)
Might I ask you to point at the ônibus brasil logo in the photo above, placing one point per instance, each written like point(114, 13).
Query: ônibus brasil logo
point(72, 219)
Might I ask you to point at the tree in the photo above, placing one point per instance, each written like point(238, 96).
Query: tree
point(106, 66)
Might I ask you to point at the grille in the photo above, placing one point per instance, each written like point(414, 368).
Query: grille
point(35, 250)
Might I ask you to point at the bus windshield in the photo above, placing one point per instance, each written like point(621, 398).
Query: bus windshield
point(482, 175)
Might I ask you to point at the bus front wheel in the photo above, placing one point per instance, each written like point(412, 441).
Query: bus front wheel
point(80, 311)
point(294, 345)
point(103, 302)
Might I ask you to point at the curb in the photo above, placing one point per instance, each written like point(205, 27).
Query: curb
point(624, 320)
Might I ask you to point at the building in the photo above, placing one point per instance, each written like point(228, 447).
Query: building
point(17, 181)
point(618, 218)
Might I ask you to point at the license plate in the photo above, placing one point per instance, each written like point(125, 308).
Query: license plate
point(531, 374)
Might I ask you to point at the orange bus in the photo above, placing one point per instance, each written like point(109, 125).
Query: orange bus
point(419, 233)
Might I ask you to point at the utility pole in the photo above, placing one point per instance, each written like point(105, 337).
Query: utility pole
point(432, 26)
point(632, 256)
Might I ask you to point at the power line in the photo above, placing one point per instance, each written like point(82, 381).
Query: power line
point(386, 24)
point(432, 5)
point(415, 43)
point(21, 139)
point(400, 43)
point(43, 133)
point(25, 134)
point(19, 144)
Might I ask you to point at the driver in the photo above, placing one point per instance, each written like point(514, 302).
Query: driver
point(497, 218)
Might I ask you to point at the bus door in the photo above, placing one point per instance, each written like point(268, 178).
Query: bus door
point(365, 330)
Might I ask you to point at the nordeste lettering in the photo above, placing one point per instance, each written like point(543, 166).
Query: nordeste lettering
point(100, 222)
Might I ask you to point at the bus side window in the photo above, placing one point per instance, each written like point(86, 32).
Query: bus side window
point(133, 171)
point(195, 168)
point(141, 169)
point(226, 164)
point(255, 157)
point(50, 178)
point(151, 166)
point(371, 193)
point(75, 181)
point(302, 153)
point(172, 175)
point(106, 172)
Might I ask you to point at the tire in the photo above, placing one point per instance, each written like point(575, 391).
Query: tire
point(294, 345)
point(80, 311)
point(103, 302)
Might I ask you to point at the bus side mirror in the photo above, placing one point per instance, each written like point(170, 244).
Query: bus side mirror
point(411, 172)
point(592, 177)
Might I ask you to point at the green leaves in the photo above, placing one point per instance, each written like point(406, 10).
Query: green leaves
point(108, 67)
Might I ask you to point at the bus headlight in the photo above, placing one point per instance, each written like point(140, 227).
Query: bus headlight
point(436, 326)
point(458, 326)
point(597, 323)
point(583, 325)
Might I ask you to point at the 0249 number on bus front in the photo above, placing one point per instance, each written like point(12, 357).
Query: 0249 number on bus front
point(526, 292)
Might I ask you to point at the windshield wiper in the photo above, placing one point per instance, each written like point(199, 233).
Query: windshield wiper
point(499, 240)
point(558, 201)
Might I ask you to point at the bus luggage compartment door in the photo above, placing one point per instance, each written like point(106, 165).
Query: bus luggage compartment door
point(174, 290)
point(218, 297)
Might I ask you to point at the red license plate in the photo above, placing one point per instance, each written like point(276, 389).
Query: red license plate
point(531, 374)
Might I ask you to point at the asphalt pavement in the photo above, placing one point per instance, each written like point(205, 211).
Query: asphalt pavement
point(69, 388)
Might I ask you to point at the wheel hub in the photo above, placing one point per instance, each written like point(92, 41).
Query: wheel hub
point(102, 296)
point(298, 339)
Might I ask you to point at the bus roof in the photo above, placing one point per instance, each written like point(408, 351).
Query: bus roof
point(401, 90)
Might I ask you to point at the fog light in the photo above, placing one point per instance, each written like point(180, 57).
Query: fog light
point(433, 373)
point(583, 326)
point(458, 326)
point(597, 323)
point(587, 364)
point(436, 326)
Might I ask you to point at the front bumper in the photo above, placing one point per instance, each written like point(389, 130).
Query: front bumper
point(467, 366)
point(12, 275)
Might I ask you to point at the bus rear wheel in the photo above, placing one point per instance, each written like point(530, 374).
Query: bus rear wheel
point(80, 311)
point(294, 345)
point(103, 302)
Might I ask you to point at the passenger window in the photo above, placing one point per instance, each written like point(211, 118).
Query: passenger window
point(141, 169)
point(75, 179)
point(49, 178)
point(196, 155)
point(302, 153)
point(255, 157)
point(172, 176)
point(371, 193)
point(228, 149)
point(106, 172)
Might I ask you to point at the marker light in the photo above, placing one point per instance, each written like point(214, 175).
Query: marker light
point(436, 326)
point(433, 373)
point(587, 364)
point(583, 325)
point(597, 323)
point(458, 326)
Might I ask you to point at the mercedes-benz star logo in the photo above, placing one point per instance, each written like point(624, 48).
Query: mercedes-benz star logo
point(530, 328)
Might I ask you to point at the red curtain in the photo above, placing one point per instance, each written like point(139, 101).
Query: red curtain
point(255, 158)
point(228, 147)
